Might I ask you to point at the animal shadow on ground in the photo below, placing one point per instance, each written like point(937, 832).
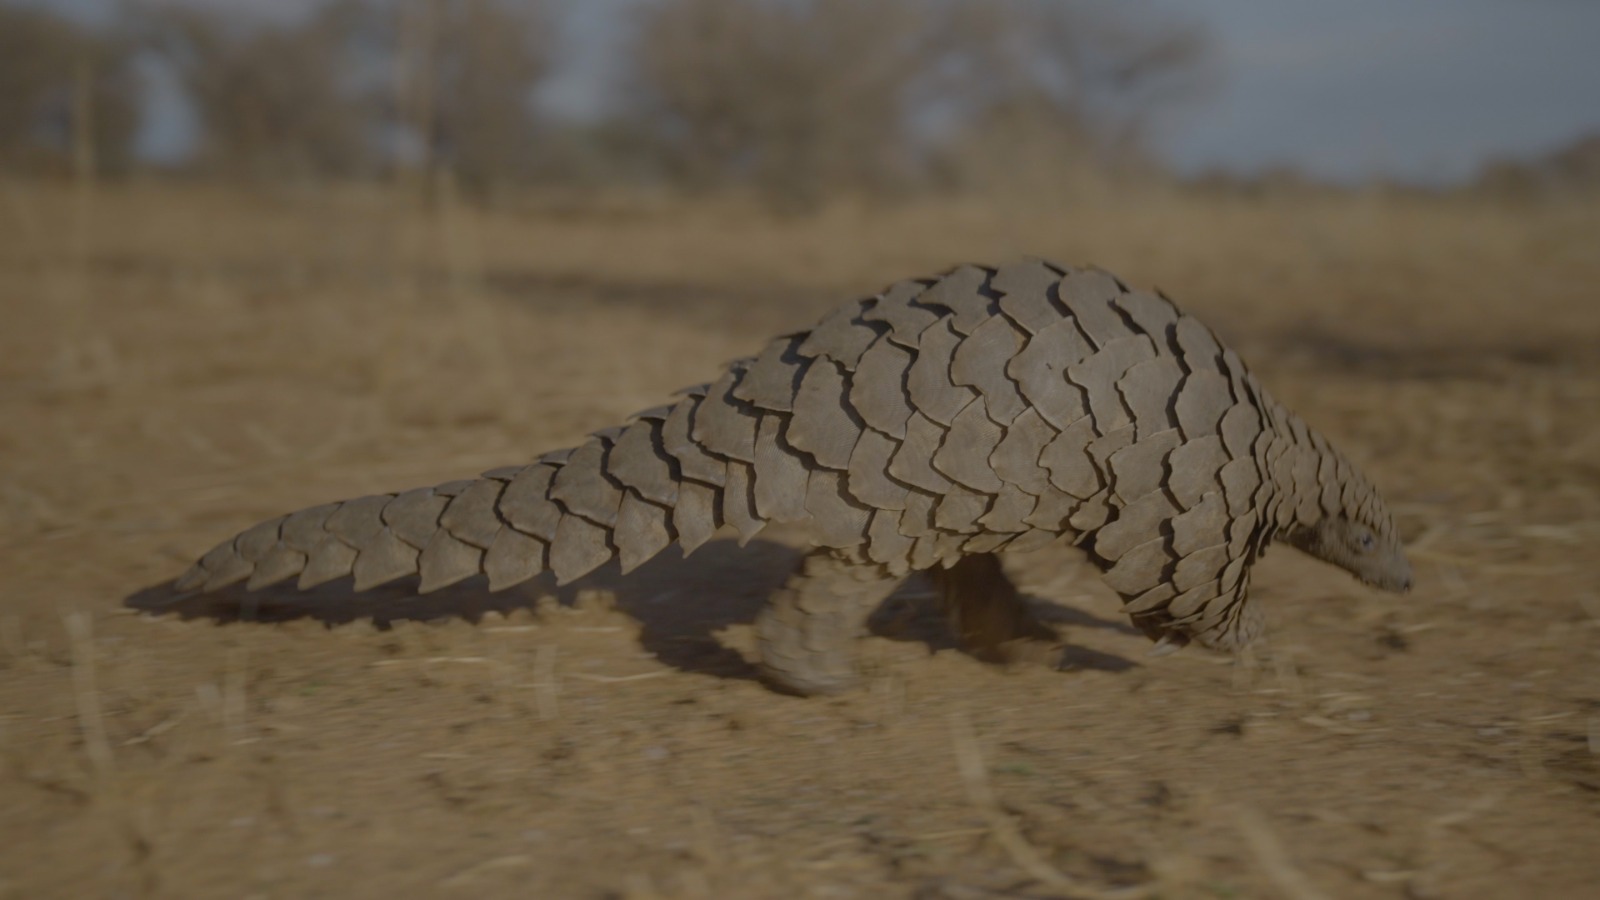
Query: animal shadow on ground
point(680, 603)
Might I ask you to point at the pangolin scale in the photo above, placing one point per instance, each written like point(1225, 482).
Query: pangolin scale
point(924, 428)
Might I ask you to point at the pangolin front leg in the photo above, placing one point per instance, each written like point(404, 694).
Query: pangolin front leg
point(809, 631)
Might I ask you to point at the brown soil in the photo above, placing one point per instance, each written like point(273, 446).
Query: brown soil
point(176, 364)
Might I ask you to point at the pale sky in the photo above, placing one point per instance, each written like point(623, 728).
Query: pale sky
point(1419, 90)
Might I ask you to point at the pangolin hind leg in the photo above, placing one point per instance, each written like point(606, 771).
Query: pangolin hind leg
point(810, 629)
point(986, 612)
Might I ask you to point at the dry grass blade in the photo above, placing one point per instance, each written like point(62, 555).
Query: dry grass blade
point(467, 876)
point(155, 731)
point(619, 679)
point(234, 703)
point(544, 682)
point(1274, 859)
point(1027, 857)
point(1432, 857)
point(437, 660)
point(80, 632)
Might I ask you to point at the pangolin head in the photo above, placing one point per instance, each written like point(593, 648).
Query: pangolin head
point(1361, 539)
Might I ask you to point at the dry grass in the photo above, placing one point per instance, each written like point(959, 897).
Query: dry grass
point(179, 362)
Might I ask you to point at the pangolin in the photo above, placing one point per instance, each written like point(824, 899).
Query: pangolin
point(925, 428)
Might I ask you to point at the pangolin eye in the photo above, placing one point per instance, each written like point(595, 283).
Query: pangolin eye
point(1368, 541)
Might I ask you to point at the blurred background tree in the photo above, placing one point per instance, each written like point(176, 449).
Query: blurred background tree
point(1058, 91)
point(799, 97)
point(273, 100)
point(69, 96)
point(794, 100)
point(361, 87)
point(465, 74)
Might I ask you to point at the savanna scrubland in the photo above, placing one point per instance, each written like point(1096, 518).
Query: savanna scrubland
point(298, 313)
point(181, 361)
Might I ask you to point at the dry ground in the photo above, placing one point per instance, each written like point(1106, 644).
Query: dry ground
point(177, 363)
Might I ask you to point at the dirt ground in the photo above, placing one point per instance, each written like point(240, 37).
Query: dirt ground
point(178, 363)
